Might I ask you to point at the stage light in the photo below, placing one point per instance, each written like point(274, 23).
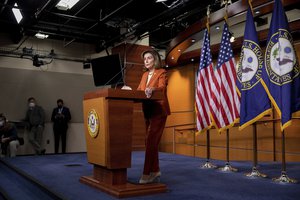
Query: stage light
point(66, 4)
point(17, 13)
point(41, 36)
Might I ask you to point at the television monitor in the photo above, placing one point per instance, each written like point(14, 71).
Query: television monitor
point(107, 70)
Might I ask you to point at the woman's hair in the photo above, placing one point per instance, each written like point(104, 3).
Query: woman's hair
point(156, 56)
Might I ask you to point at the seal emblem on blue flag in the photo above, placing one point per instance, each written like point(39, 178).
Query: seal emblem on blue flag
point(250, 65)
point(280, 58)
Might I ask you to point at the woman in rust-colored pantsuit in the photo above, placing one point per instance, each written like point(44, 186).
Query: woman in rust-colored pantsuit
point(155, 113)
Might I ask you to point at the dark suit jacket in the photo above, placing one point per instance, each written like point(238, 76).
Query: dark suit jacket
point(159, 81)
point(59, 121)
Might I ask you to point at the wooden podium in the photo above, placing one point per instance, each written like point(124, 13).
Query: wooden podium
point(108, 115)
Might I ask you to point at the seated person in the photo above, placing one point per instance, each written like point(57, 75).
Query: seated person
point(9, 137)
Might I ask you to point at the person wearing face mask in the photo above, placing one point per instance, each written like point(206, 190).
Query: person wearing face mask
point(60, 118)
point(155, 113)
point(9, 137)
point(35, 118)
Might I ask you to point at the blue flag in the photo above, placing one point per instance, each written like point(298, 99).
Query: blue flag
point(255, 102)
point(281, 75)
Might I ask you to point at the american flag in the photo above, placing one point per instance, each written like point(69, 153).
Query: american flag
point(202, 96)
point(228, 102)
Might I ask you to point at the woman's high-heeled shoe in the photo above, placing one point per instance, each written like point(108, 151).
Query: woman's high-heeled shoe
point(155, 177)
point(144, 179)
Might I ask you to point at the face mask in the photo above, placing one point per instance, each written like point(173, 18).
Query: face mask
point(1, 123)
point(31, 105)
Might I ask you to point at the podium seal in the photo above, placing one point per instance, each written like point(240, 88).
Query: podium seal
point(93, 123)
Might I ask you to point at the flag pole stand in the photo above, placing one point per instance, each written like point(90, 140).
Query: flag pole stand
point(255, 173)
point(284, 177)
point(227, 167)
point(208, 164)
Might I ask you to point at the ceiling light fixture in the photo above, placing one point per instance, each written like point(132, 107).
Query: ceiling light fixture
point(232, 38)
point(41, 36)
point(66, 4)
point(17, 13)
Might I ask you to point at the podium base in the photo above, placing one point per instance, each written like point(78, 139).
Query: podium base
point(126, 189)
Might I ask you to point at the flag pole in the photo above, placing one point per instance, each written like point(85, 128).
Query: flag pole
point(227, 167)
point(208, 164)
point(255, 173)
point(284, 177)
